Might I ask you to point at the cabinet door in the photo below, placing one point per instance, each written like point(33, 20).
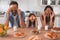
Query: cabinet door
point(44, 2)
point(52, 2)
point(58, 2)
point(48, 2)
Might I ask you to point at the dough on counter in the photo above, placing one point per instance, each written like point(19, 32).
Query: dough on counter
point(51, 35)
point(19, 34)
point(34, 38)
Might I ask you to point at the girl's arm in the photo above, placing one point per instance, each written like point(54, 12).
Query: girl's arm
point(36, 23)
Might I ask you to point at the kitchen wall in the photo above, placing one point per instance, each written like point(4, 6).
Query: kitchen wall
point(4, 5)
point(31, 5)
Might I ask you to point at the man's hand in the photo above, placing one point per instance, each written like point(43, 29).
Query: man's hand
point(19, 11)
point(1, 30)
point(12, 7)
point(9, 10)
point(5, 27)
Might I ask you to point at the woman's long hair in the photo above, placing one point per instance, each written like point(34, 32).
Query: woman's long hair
point(48, 7)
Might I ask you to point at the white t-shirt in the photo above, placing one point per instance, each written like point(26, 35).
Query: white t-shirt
point(15, 23)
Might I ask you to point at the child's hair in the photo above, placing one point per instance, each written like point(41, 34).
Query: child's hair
point(32, 14)
point(48, 7)
point(30, 23)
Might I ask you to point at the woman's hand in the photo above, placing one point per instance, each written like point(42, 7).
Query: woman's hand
point(44, 15)
point(44, 21)
point(52, 15)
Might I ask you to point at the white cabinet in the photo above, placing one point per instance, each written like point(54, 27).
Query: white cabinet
point(57, 22)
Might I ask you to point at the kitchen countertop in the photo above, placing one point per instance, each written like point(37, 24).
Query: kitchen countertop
point(57, 15)
point(28, 32)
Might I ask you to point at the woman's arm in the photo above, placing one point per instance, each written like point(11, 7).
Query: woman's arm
point(52, 18)
point(52, 21)
point(7, 19)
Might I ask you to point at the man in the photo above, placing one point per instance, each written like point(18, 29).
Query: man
point(14, 15)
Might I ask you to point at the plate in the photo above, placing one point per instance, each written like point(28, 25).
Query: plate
point(35, 37)
point(19, 35)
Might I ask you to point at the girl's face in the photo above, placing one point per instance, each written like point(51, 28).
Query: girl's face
point(32, 18)
point(48, 11)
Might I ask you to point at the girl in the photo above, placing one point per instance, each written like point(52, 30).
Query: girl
point(32, 21)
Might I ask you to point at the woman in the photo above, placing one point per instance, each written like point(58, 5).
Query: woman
point(48, 17)
point(31, 21)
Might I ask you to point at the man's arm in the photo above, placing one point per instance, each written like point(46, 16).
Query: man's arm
point(23, 16)
point(22, 23)
point(7, 19)
point(6, 24)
